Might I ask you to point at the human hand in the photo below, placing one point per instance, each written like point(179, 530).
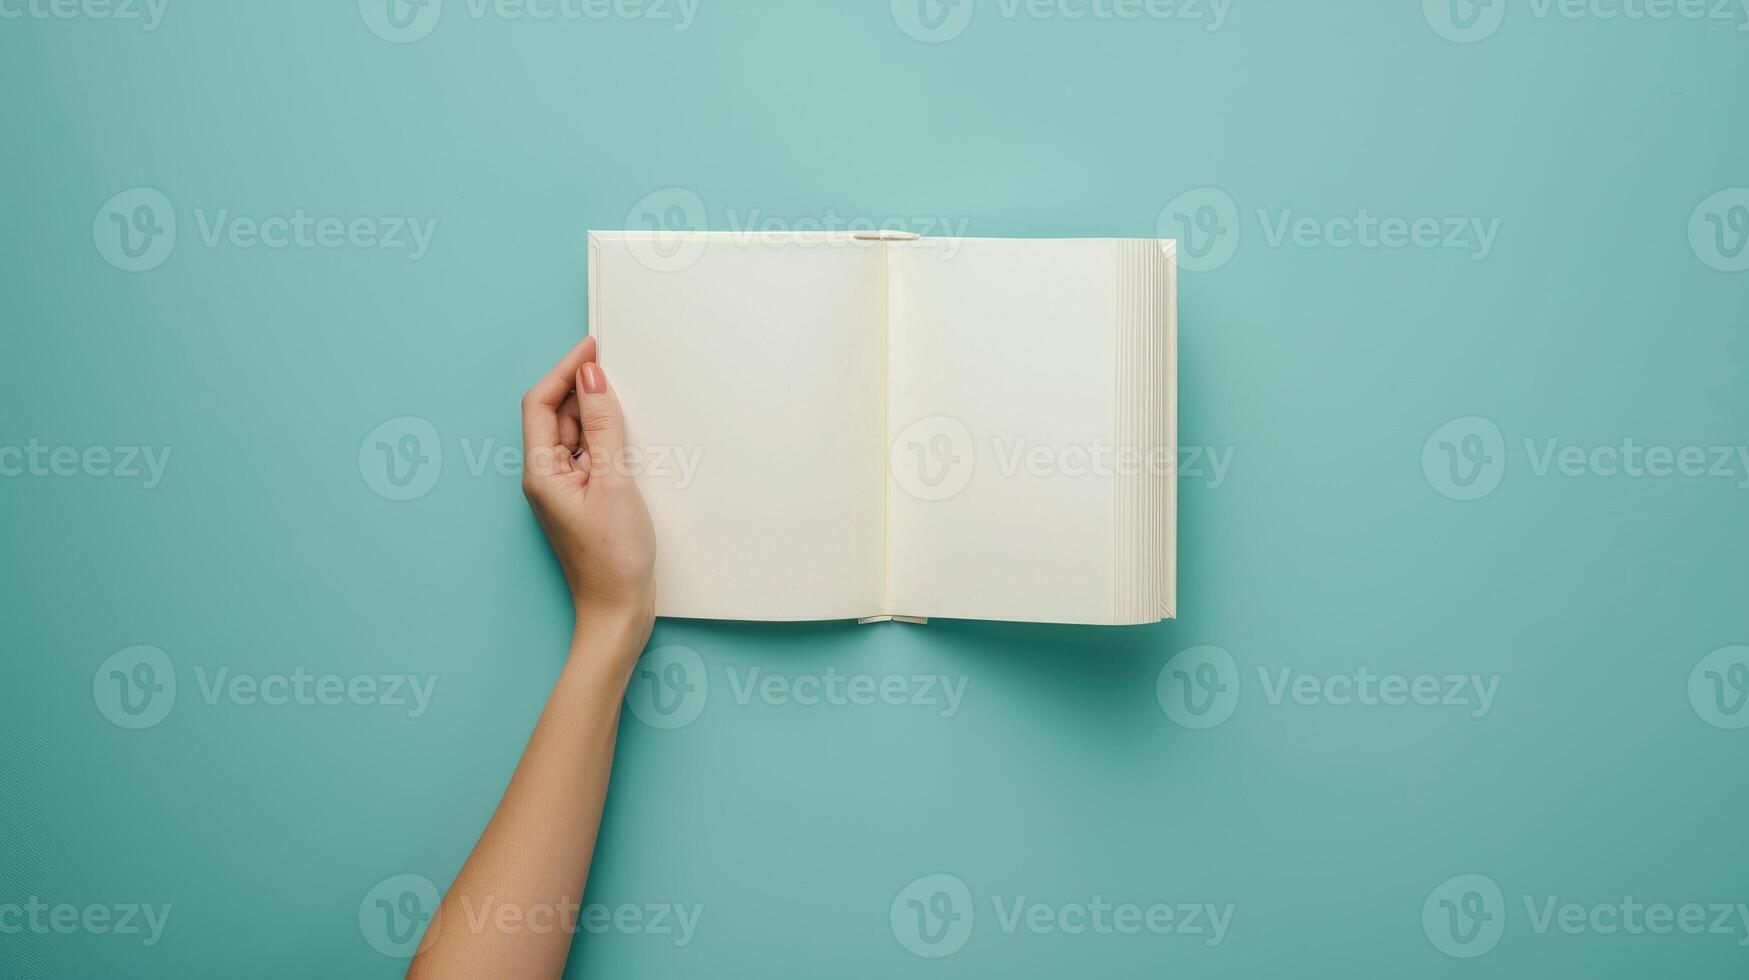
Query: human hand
point(576, 480)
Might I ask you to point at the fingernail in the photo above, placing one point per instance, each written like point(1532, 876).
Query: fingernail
point(593, 382)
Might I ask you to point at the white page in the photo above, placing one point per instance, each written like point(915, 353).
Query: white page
point(1002, 348)
point(766, 360)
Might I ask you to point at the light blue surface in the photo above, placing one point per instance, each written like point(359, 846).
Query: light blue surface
point(1592, 147)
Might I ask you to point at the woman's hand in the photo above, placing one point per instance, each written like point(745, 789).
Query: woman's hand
point(576, 479)
point(533, 857)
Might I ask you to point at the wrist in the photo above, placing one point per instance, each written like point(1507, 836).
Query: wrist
point(612, 634)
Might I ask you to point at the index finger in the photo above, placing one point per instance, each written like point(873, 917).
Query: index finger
point(540, 407)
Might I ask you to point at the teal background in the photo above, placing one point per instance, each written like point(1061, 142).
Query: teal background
point(1326, 548)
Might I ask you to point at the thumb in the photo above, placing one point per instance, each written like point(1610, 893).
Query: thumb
point(603, 422)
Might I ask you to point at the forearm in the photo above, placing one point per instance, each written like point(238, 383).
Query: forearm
point(512, 910)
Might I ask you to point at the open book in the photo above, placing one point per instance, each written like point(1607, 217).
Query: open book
point(885, 426)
